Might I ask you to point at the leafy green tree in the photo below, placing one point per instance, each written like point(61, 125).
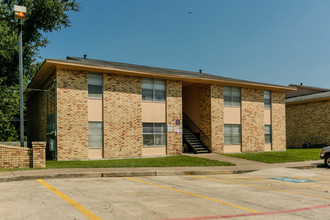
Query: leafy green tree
point(43, 16)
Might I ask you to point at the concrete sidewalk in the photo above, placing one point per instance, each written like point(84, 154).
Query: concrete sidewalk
point(242, 166)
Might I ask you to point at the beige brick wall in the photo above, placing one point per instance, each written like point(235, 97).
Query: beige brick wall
point(173, 112)
point(22, 157)
point(211, 109)
point(217, 119)
point(122, 116)
point(278, 121)
point(205, 111)
point(72, 114)
point(253, 130)
point(306, 120)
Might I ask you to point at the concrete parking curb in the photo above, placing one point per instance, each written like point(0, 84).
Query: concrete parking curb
point(146, 171)
point(119, 174)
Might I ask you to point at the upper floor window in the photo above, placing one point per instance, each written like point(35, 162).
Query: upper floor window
point(95, 88)
point(232, 96)
point(267, 100)
point(153, 89)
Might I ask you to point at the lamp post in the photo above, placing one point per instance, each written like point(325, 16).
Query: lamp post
point(20, 13)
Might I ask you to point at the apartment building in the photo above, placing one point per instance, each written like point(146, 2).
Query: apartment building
point(308, 116)
point(90, 109)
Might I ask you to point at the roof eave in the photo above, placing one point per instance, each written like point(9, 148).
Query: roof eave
point(51, 64)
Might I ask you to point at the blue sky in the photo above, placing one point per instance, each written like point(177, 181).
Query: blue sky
point(271, 41)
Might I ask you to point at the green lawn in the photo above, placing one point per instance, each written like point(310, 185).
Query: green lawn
point(172, 161)
point(290, 155)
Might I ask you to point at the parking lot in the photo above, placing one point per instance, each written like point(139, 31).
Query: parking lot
point(281, 193)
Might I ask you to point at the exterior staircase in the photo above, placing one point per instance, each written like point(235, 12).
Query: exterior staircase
point(193, 142)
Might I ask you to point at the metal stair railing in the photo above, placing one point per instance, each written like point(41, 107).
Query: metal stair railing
point(193, 127)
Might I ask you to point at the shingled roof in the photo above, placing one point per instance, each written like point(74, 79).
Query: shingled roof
point(109, 66)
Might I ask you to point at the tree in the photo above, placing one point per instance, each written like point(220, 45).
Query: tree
point(42, 16)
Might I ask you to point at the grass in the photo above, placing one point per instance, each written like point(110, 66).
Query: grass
point(290, 155)
point(172, 161)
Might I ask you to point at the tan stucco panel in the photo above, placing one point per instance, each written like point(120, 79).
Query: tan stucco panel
point(232, 115)
point(268, 147)
point(95, 109)
point(232, 149)
point(191, 103)
point(153, 112)
point(96, 153)
point(153, 151)
point(268, 116)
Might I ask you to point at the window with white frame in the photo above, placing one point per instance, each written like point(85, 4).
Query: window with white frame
point(154, 134)
point(268, 134)
point(153, 89)
point(95, 134)
point(233, 134)
point(232, 96)
point(267, 99)
point(95, 85)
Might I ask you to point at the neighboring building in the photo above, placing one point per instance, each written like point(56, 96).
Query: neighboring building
point(101, 109)
point(308, 116)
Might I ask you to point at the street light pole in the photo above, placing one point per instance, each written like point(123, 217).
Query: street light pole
point(20, 13)
point(20, 61)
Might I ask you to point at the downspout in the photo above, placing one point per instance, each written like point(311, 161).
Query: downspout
point(55, 116)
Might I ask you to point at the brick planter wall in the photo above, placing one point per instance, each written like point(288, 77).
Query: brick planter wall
point(22, 157)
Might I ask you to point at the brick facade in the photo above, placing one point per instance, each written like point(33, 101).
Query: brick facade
point(72, 114)
point(173, 112)
point(122, 116)
point(205, 112)
point(278, 121)
point(211, 109)
point(217, 119)
point(308, 120)
point(22, 157)
point(39, 154)
point(252, 120)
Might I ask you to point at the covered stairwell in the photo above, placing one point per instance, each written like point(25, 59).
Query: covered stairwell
point(190, 139)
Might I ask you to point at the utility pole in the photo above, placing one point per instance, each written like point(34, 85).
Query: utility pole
point(20, 13)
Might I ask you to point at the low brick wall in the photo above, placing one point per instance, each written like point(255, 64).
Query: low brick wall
point(22, 157)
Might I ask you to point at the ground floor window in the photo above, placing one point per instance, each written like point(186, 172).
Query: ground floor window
point(154, 134)
point(95, 134)
point(233, 134)
point(268, 134)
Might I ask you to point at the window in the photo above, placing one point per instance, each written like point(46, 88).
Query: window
point(95, 88)
point(153, 89)
point(154, 134)
point(267, 101)
point(95, 134)
point(268, 134)
point(232, 96)
point(232, 134)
